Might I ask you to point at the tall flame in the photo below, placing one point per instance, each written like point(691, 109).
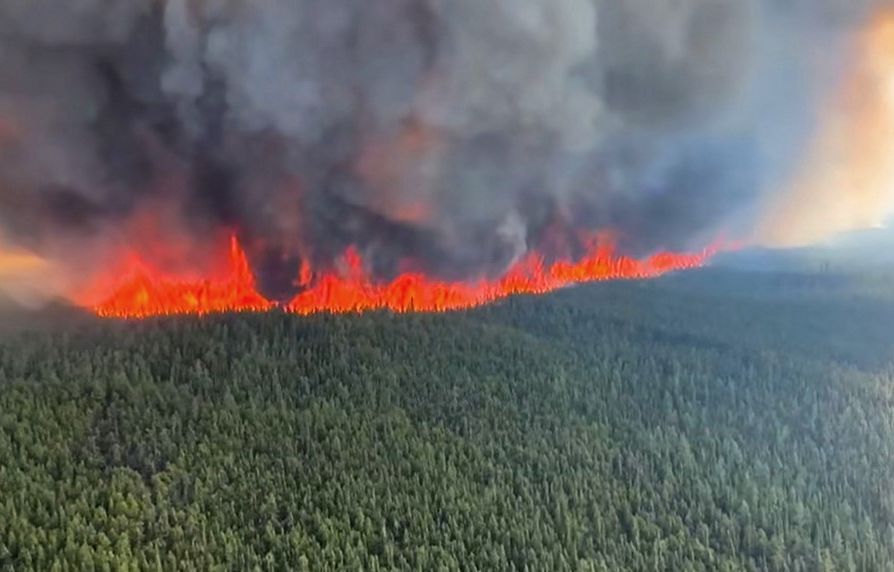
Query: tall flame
point(149, 292)
point(412, 292)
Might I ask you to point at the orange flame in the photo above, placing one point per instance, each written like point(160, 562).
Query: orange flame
point(149, 292)
point(413, 292)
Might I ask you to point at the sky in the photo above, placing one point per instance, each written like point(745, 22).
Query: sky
point(458, 135)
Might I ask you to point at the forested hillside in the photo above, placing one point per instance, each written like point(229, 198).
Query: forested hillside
point(714, 420)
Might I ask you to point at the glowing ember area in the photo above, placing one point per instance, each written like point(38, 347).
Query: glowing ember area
point(355, 292)
point(149, 292)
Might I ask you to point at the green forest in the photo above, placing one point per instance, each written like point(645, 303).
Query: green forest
point(716, 420)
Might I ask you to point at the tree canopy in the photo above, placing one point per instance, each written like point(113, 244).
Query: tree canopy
point(712, 421)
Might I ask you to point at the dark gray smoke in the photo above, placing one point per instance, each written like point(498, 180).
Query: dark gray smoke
point(455, 133)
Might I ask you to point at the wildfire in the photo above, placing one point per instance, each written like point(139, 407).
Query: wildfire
point(413, 292)
point(148, 292)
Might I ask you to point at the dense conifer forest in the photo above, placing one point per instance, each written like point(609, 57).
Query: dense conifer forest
point(714, 420)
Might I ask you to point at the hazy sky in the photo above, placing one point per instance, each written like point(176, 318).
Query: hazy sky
point(459, 134)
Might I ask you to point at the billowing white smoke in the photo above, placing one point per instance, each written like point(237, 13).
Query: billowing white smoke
point(450, 131)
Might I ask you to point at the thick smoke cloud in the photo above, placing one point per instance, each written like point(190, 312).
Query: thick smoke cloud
point(456, 133)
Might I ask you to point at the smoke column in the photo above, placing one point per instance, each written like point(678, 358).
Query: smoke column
point(445, 137)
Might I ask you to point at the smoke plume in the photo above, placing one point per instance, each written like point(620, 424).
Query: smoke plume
point(454, 134)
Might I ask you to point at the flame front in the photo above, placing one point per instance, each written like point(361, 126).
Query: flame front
point(355, 292)
point(146, 292)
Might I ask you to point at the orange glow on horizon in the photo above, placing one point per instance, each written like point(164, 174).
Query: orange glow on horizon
point(28, 278)
point(15, 263)
point(846, 181)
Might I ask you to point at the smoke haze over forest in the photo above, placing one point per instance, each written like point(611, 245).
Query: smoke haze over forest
point(457, 135)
